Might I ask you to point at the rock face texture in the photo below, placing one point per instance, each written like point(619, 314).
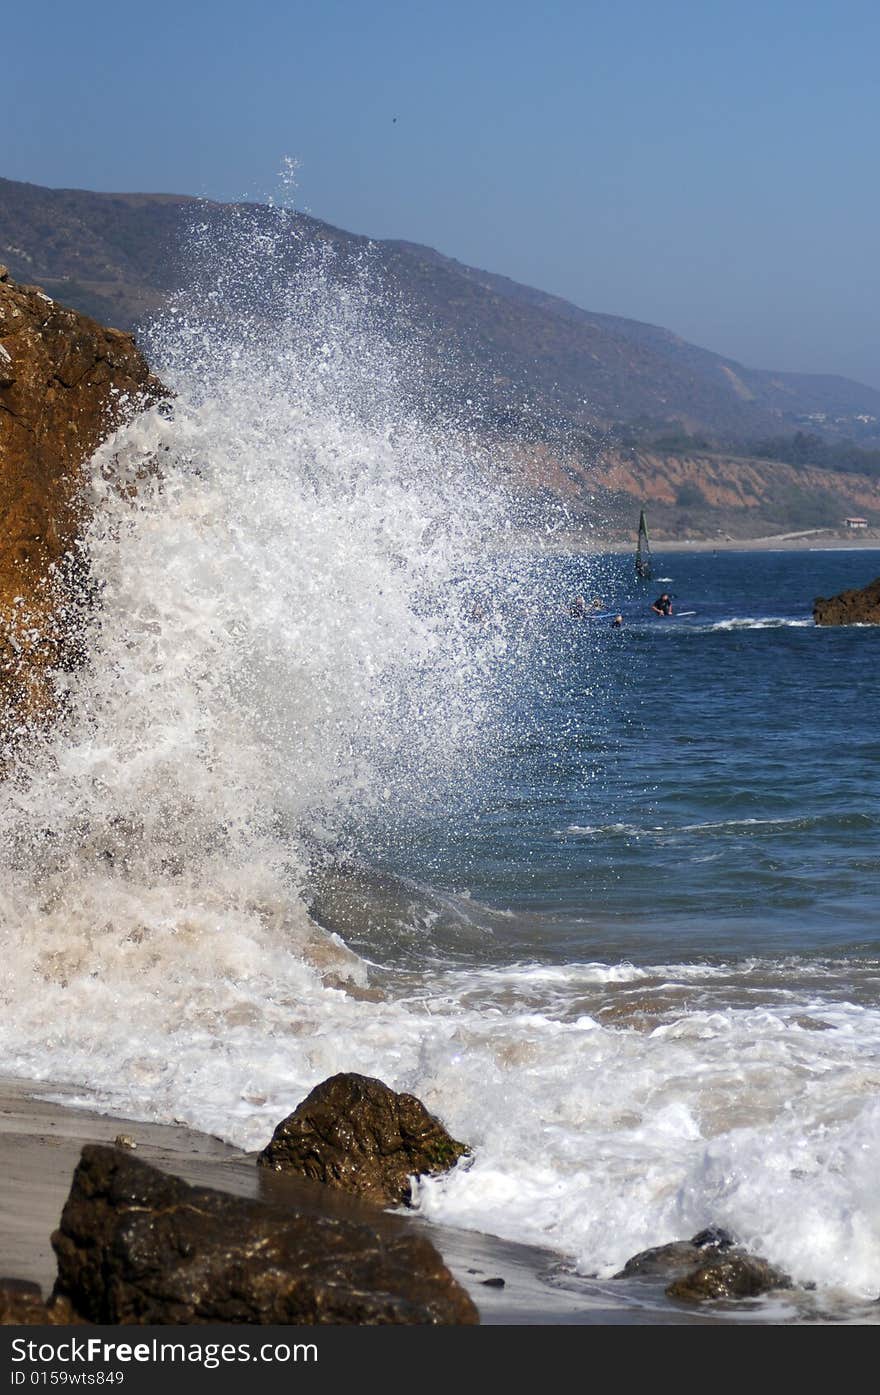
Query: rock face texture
point(137, 1246)
point(65, 384)
point(858, 607)
point(355, 1133)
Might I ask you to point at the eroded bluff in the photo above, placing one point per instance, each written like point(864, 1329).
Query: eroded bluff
point(66, 383)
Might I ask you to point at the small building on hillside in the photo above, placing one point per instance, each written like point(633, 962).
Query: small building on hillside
point(855, 522)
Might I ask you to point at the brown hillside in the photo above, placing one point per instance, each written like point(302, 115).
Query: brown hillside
point(699, 494)
point(523, 356)
point(531, 367)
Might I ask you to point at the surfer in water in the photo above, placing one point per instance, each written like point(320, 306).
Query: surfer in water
point(578, 608)
point(663, 604)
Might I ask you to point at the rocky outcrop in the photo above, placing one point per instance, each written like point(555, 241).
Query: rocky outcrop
point(355, 1133)
point(65, 383)
point(857, 607)
point(137, 1246)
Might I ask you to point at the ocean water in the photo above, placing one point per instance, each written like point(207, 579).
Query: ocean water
point(342, 786)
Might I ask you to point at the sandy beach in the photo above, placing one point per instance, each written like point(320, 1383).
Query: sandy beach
point(40, 1143)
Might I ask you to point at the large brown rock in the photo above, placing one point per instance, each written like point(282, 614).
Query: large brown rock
point(138, 1246)
point(355, 1133)
point(65, 383)
point(857, 607)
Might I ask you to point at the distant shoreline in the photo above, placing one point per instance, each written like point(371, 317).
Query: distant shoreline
point(814, 540)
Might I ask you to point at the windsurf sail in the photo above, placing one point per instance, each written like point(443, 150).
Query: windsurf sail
point(644, 570)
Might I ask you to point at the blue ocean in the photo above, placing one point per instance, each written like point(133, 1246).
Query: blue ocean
point(705, 784)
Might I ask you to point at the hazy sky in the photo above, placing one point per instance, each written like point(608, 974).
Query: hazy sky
point(708, 165)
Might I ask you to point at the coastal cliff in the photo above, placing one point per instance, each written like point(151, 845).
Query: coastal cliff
point(66, 383)
point(698, 494)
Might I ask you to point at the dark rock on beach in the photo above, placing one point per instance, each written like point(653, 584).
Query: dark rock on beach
point(679, 1256)
point(857, 607)
point(138, 1246)
point(66, 383)
point(355, 1133)
point(729, 1275)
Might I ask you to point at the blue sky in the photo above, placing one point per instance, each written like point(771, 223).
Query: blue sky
point(706, 166)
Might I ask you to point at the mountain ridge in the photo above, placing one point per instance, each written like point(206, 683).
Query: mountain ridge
point(598, 412)
point(118, 256)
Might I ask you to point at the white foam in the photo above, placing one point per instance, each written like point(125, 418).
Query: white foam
point(625, 1140)
point(280, 645)
point(590, 830)
point(668, 830)
point(761, 622)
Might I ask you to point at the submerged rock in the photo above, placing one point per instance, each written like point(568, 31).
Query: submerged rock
point(137, 1246)
point(731, 1275)
point(355, 1133)
point(679, 1256)
point(857, 607)
point(66, 383)
point(707, 1266)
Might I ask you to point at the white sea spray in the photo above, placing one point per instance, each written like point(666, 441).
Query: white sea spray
point(287, 563)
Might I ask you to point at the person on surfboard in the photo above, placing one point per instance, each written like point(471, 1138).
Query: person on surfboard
point(663, 604)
